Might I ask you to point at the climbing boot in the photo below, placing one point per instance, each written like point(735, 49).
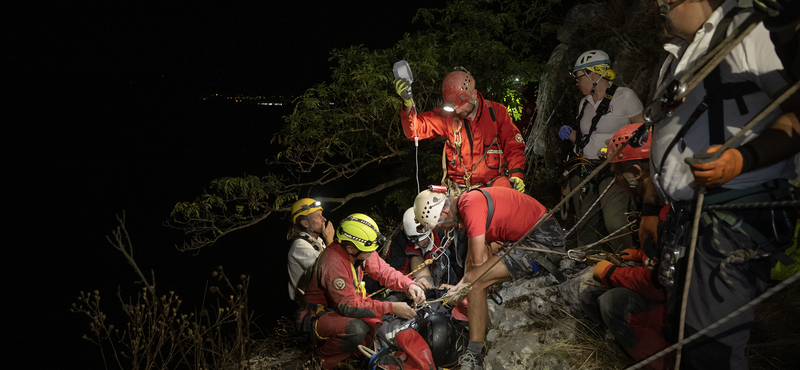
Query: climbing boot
point(471, 361)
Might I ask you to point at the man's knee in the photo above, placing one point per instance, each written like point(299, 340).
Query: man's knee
point(354, 333)
point(616, 307)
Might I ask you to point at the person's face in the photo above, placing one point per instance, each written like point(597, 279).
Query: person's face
point(685, 19)
point(422, 243)
point(583, 82)
point(352, 250)
point(447, 214)
point(316, 222)
point(465, 109)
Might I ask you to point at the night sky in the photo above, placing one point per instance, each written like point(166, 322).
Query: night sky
point(102, 116)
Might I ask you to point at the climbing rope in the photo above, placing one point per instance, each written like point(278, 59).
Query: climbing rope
point(588, 212)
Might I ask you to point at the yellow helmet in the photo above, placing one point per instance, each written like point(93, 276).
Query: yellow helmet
point(362, 231)
point(304, 207)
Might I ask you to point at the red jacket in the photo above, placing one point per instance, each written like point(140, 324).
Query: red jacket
point(641, 280)
point(334, 285)
point(476, 138)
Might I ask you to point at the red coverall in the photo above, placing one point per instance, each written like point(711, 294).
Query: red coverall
point(634, 309)
point(475, 139)
point(353, 318)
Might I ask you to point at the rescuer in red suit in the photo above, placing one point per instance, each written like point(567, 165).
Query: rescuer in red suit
point(343, 316)
point(631, 302)
point(481, 138)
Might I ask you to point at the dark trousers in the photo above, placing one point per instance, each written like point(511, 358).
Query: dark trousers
point(636, 322)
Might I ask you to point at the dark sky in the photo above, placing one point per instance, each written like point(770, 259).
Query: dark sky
point(258, 46)
point(92, 128)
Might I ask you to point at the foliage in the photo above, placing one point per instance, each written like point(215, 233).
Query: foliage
point(157, 332)
point(350, 126)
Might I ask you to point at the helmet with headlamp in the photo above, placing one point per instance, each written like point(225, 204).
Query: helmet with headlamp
point(457, 88)
point(362, 231)
point(304, 207)
point(428, 207)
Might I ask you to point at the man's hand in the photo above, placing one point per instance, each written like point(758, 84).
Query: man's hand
point(403, 310)
point(415, 293)
point(425, 282)
point(648, 228)
point(518, 184)
point(564, 132)
point(402, 86)
point(446, 287)
point(632, 254)
point(328, 233)
point(718, 172)
point(600, 270)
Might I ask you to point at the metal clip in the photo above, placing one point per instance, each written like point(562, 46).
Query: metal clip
point(580, 256)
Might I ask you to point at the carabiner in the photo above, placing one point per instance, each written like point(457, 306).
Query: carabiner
point(580, 255)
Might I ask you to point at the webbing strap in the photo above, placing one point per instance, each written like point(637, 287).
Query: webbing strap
point(602, 109)
point(718, 91)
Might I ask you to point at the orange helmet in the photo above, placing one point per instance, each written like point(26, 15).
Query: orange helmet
point(630, 152)
point(456, 89)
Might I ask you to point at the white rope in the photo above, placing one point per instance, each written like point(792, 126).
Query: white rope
point(588, 211)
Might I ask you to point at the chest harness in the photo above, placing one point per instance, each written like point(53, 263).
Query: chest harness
point(456, 125)
point(602, 109)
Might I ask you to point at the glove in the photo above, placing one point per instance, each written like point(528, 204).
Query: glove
point(403, 88)
point(517, 184)
point(718, 172)
point(632, 254)
point(601, 270)
point(564, 132)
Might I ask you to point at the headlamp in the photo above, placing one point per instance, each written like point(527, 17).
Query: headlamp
point(449, 107)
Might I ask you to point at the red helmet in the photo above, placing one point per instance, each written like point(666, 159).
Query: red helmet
point(629, 153)
point(456, 89)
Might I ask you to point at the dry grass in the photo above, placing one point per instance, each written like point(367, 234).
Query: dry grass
point(775, 339)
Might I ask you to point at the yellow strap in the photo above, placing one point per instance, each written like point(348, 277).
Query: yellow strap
point(360, 286)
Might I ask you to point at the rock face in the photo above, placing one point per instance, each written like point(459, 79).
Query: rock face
point(535, 313)
point(629, 32)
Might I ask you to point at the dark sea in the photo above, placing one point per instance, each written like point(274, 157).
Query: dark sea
point(71, 171)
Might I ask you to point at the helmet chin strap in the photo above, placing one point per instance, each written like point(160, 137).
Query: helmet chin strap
point(594, 83)
point(664, 7)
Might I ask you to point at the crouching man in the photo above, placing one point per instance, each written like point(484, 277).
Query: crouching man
point(343, 316)
point(631, 302)
point(495, 214)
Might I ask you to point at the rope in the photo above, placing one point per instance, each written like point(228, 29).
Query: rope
point(588, 212)
point(719, 322)
point(425, 263)
point(781, 204)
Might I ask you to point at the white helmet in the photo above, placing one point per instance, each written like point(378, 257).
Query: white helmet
point(592, 58)
point(428, 206)
point(414, 230)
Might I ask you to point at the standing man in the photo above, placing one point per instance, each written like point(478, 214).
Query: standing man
point(310, 233)
point(495, 214)
point(481, 139)
point(343, 316)
point(755, 169)
point(604, 109)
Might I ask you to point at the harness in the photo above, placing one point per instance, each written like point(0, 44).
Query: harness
point(456, 126)
point(602, 109)
point(716, 93)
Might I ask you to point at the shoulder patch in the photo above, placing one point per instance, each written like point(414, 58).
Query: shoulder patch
point(519, 138)
point(339, 283)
